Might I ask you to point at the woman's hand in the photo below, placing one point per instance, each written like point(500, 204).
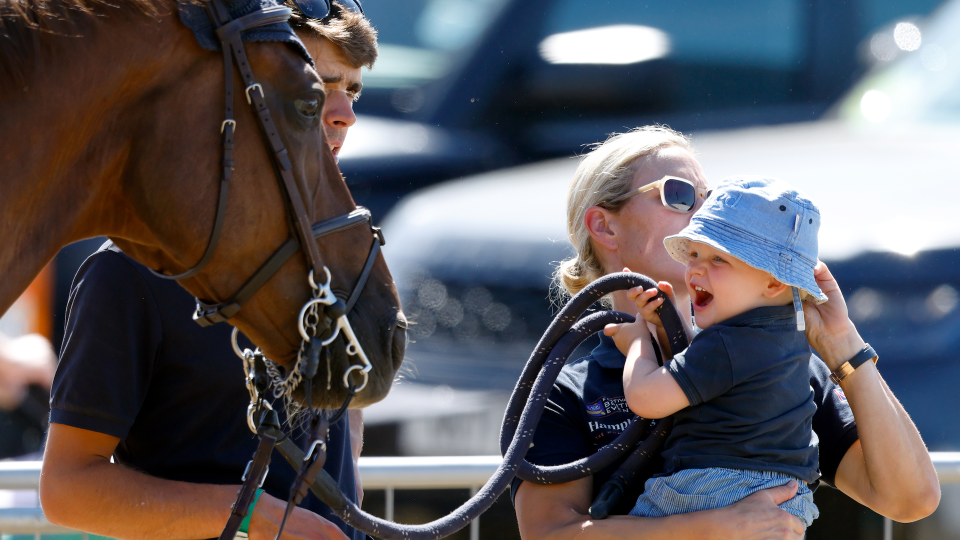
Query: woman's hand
point(829, 328)
point(758, 517)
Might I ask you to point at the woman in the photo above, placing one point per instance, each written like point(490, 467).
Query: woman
point(879, 460)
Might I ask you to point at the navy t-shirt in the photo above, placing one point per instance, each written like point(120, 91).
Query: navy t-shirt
point(134, 365)
point(748, 382)
point(587, 410)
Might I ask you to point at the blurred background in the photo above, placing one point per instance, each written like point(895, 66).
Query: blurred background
point(468, 133)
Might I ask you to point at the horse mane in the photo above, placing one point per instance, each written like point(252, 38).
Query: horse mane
point(33, 30)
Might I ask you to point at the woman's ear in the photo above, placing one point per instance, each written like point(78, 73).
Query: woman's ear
point(599, 223)
point(775, 288)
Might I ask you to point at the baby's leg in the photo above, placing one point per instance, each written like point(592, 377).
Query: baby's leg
point(693, 490)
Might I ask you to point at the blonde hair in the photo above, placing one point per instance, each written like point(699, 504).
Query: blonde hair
point(604, 174)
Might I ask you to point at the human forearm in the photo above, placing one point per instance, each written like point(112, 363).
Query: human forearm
point(889, 468)
point(583, 527)
point(560, 512)
point(111, 500)
point(650, 390)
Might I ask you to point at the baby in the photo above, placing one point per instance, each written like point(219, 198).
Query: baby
point(740, 393)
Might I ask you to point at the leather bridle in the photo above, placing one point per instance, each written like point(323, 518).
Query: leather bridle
point(304, 234)
point(324, 317)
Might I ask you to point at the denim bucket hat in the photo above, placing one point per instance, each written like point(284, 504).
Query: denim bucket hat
point(763, 222)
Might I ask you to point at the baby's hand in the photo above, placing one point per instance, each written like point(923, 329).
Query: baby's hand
point(646, 303)
point(626, 335)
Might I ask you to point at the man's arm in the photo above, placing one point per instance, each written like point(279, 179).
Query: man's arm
point(889, 469)
point(356, 445)
point(80, 488)
point(560, 512)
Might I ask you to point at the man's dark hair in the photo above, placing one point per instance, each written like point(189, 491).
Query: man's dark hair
point(348, 30)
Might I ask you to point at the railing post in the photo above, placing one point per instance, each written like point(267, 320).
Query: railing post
point(887, 528)
point(475, 524)
point(388, 503)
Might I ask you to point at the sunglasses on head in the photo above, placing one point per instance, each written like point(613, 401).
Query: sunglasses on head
point(317, 10)
point(677, 194)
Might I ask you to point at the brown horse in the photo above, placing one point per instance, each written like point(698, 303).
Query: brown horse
point(110, 121)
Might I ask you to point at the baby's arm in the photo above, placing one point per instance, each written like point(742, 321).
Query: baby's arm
point(650, 390)
point(647, 305)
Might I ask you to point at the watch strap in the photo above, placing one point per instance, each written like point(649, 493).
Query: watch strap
point(866, 353)
point(848, 367)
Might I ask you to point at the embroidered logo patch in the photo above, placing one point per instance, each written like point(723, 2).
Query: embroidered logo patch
point(840, 394)
point(596, 408)
point(605, 406)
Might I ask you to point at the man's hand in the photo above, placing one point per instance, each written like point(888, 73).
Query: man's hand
point(302, 525)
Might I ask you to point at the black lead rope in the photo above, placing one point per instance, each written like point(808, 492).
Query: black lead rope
point(520, 421)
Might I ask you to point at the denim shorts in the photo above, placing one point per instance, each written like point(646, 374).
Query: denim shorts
point(691, 490)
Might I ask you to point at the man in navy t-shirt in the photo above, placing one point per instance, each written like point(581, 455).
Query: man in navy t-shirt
point(148, 434)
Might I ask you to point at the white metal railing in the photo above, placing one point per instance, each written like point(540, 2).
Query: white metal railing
point(386, 473)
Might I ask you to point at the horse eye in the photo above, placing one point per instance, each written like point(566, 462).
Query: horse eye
point(307, 107)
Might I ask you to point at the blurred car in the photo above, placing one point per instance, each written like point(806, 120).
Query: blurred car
point(464, 86)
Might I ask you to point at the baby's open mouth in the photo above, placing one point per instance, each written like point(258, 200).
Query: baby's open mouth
point(701, 298)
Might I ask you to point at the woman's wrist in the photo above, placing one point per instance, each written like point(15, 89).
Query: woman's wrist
point(841, 347)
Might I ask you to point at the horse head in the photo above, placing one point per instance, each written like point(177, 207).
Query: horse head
point(140, 156)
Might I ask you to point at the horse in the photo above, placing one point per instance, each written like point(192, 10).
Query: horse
point(111, 124)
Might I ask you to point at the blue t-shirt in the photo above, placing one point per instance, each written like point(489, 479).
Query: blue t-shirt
point(586, 410)
point(751, 405)
point(134, 365)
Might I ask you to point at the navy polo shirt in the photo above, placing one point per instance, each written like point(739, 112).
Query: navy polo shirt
point(587, 410)
point(135, 366)
point(751, 406)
